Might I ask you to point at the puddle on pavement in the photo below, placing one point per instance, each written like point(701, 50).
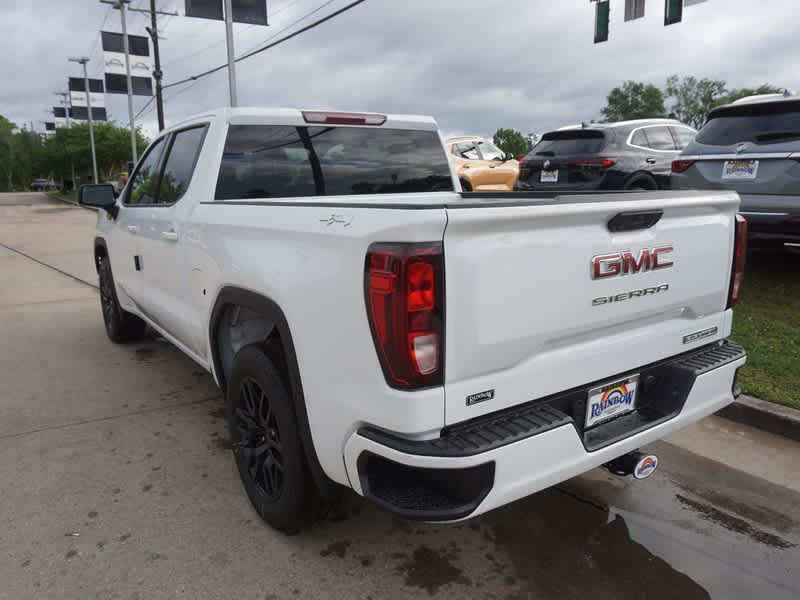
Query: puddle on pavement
point(566, 546)
point(734, 524)
point(430, 570)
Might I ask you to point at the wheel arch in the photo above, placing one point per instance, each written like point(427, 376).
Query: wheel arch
point(642, 177)
point(272, 329)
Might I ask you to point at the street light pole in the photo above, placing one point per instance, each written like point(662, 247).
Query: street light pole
point(122, 5)
point(231, 54)
point(82, 61)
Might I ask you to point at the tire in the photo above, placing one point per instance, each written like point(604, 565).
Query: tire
point(466, 186)
point(121, 326)
point(266, 443)
point(641, 185)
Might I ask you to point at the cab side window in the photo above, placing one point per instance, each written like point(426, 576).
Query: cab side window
point(180, 163)
point(143, 188)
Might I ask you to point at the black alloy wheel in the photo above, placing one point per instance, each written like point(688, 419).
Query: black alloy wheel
point(121, 326)
point(258, 449)
point(266, 444)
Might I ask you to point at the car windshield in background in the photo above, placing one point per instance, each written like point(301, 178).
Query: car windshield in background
point(268, 161)
point(570, 142)
point(763, 123)
point(490, 151)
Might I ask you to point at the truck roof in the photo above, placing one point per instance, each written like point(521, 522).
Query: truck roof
point(295, 117)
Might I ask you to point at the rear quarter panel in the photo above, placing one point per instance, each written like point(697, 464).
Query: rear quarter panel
point(309, 259)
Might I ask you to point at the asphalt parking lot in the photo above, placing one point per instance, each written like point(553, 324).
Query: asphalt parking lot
point(117, 482)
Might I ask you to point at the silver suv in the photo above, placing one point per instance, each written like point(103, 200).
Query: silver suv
point(752, 147)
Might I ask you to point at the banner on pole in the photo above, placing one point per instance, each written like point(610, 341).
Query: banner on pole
point(634, 9)
point(60, 114)
point(251, 12)
point(140, 61)
point(81, 113)
point(117, 84)
point(77, 92)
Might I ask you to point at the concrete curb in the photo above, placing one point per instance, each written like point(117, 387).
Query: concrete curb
point(774, 418)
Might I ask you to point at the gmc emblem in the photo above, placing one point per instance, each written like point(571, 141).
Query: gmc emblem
point(617, 264)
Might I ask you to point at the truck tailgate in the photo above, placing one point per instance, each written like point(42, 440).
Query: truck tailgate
point(528, 317)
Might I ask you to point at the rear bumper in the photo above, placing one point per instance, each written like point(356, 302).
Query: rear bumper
point(772, 227)
point(481, 465)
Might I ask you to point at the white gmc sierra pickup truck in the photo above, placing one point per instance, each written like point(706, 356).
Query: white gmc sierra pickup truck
point(441, 353)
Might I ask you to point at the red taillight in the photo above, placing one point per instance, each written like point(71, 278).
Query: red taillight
point(341, 118)
point(603, 163)
point(739, 259)
point(681, 166)
point(404, 287)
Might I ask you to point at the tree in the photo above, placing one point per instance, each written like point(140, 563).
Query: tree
point(6, 152)
point(511, 142)
point(634, 100)
point(694, 98)
point(69, 148)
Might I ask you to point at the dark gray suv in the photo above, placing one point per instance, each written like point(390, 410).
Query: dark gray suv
point(630, 155)
point(752, 147)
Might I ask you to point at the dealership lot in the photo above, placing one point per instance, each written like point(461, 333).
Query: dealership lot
point(118, 483)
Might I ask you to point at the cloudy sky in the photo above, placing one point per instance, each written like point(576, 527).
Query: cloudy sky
point(475, 65)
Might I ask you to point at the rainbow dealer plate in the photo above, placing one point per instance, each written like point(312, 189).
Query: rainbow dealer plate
point(611, 400)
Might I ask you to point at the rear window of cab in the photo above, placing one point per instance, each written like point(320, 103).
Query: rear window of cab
point(278, 161)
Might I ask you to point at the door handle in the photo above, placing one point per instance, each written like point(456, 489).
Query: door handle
point(132, 229)
point(651, 161)
point(170, 236)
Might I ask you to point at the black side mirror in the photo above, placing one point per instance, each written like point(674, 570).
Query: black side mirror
point(101, 195)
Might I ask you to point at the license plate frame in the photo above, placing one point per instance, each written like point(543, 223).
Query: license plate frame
point(611, 400)
point(740, 170)
point(548, 176)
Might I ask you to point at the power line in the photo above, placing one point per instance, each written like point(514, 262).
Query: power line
point(144, 108)
point(292, 24)
point(221, 42)
point(308, 27)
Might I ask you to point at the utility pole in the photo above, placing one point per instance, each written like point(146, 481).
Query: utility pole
point(153, 31)
point(121, 6)
point(158, 75)
point(231, 54)
point(82, 61)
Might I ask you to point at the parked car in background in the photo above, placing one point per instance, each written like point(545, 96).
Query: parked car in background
point(482, 166)
point(752, 147)
point(119, 180)
point(605, 156)
point(43, 185)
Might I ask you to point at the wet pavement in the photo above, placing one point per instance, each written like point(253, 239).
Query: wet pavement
point(118, 483)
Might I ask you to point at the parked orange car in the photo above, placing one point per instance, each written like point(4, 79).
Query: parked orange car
point(482, 166)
